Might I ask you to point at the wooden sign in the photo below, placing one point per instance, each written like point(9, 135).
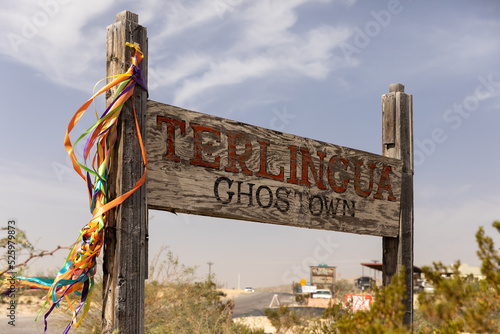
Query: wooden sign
point(206, 165)
point(323, 275)
point(358, 302)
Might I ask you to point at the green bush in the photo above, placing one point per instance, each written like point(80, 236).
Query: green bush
point(385, 315)
point(176, 303)
point(463, 303)
point(285, 320)
point(458, 304)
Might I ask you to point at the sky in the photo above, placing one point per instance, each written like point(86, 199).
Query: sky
point(312, 68)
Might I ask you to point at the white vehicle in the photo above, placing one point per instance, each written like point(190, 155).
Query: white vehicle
point(322, 293)
point(249, 289)
point(428, 288)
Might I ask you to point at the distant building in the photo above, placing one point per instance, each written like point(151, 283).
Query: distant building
point(417, 272)
point(466, 270)
point(364, 283)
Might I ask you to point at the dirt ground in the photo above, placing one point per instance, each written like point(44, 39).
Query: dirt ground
point(257, 322)
point(27, 308)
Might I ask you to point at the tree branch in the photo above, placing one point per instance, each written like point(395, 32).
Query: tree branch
point(32, 256)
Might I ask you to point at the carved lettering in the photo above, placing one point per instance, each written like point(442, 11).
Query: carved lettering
point(199, 147)
point(282, 199)
point(307, 162)
point(263, 163)
point(241, 159)
point(171, 123)
point(269, 197)
point(385, 184)
point(331, 174)
point(357, 179)
point(232, 157)
point(229, 193)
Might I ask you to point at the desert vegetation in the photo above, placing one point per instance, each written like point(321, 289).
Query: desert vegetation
point(177, 301)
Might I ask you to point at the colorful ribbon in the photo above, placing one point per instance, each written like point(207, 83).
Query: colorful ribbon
point(77, 274)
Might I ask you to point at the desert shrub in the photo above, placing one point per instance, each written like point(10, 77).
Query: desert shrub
point(176, 302)
point(343, 287)
point(463, 303)
point(458, 303)
point(385, 315)
point(285, 320)
point(333, 312)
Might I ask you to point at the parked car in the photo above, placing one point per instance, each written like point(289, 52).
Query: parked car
point(249, 289)
point(364, 282)
point(428, 288)
point(322, 293)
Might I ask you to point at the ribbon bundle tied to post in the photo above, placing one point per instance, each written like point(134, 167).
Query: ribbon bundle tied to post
point(76, 278)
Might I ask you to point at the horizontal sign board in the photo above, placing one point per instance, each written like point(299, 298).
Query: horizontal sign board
point(309, 289)
point(323, 271)
point(206, 165)
point(322, 280)
point(358, 302)
point(323, 275)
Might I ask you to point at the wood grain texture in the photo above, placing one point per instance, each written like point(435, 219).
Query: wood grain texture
point(407, 224)
point(323, 275)
point(125, 251)
point(198, 175)
point(397, 136)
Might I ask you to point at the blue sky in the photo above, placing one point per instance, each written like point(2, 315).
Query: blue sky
point(311, 68)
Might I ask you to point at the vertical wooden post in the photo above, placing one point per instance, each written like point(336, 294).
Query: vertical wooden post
point(397, 140)
point(125, 245)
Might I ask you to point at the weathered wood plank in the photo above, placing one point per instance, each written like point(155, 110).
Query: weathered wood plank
point(406, 229)
point(206, 165)
point(125, 251)
point(398, 251)
point(388, 123)
point(323, 275)
point(390, 253)
point(391, 144)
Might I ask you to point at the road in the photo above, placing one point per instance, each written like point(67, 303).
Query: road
point(254, 304)
point(25, 324)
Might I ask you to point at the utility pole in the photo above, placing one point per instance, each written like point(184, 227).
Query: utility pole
point(210, 269)
point(375, 271)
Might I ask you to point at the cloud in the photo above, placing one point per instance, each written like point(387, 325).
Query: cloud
point(230, 71)
point(309, 55)
point(202, 49)
point(267, 24)
point(54, 38)
point(259, 40)
point(447, 218)
point(189, 64)
point(455, 49)
point(177, 17)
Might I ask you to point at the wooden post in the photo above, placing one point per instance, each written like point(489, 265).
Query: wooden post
point(397, 140)
point(125, 250)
